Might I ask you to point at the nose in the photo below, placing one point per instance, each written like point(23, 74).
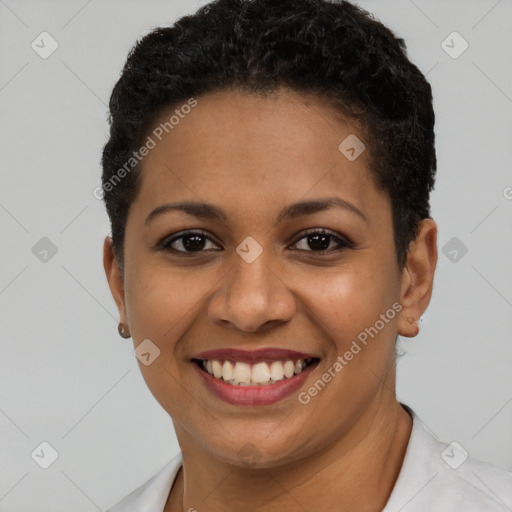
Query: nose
point(252, 297)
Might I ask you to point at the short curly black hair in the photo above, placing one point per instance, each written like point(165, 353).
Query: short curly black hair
point(332, 49)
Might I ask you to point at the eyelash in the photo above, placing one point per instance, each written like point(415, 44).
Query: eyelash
point(342, 243)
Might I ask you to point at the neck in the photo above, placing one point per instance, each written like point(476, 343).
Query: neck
point(359, 470)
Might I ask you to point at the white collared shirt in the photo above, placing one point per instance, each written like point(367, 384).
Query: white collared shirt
point(434, 477)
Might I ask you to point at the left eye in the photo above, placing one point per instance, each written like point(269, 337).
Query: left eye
point(321, 240)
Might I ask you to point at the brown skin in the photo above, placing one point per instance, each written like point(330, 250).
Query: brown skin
point(252, 156)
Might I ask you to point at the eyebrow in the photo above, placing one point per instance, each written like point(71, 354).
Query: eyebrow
point(292, 211)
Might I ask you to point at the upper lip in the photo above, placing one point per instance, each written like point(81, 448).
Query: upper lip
point(253, 356)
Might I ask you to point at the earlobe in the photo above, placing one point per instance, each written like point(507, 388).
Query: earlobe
point(418, 278)
point(114, 278)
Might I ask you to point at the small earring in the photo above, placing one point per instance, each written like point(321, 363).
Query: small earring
point(122, 332)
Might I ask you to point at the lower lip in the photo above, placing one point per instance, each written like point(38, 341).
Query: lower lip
point(255, 395)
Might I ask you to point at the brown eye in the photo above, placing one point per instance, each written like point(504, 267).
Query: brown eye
point(188, 242)
point(320, 240)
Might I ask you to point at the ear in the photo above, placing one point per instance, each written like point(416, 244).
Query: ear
point(418, 278)
point(114, 278)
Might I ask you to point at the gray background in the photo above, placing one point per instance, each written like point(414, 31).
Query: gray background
point(67, 378)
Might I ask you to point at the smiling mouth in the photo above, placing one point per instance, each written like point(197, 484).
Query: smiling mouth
point(238, 373)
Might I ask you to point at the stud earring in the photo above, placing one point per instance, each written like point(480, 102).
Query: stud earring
point(122, 332)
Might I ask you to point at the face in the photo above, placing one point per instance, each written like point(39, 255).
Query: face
point(264, 273)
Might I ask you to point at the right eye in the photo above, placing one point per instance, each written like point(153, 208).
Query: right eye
point(187, 242)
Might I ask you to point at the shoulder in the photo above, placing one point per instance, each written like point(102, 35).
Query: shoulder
point(443, 477)
point(474, 486)
point(153, 494)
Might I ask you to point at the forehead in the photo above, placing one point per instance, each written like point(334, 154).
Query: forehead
point(255, 152)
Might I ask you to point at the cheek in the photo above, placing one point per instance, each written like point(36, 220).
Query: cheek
point(348, 301)
point(359, 342)
point(160, 307)
point(161, 300)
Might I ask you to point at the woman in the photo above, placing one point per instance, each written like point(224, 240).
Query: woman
point(267, 180)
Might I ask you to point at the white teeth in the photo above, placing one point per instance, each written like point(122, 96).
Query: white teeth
point(260, 372)
point(276, 371)
point(227, 370)
point(245, 374)
point(289, 369)
point(217, 369)
point(242, 373)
